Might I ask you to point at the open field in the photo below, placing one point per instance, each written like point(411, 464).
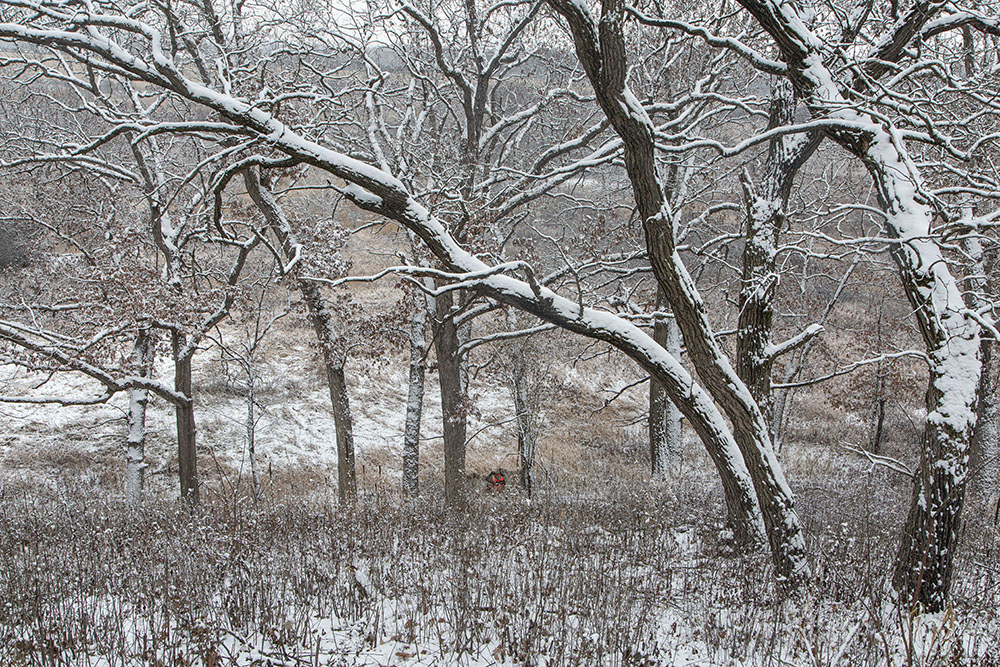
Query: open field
point(604, 566)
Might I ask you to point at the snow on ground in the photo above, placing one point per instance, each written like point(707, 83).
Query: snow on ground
point(295, 428)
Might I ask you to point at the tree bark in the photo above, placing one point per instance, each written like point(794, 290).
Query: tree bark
point(525, 392)
point(985, 459)
point(415, 398)
point(453, 407)
point(138, 399)
point(251, 427)
point(951, 339)
point(187, 453)
point(329, 342)
point(766, 215)
point(601, 49)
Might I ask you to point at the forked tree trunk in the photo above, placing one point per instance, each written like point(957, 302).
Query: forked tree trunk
point(187, 453)
point(138, 399)
point(766, 215)
point(666, 436)
point(601, 49)
point(951, 339)
point(329, 343)
point(453, 407)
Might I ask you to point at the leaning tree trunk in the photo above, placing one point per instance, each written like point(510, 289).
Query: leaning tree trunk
point(329, 342)
point(138, 399)
point(951, 339)
point(453, 408)
point(187, 454)
point(601, 50)
point(666, 436)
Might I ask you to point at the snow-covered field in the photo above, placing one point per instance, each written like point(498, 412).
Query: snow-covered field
point(603, 567)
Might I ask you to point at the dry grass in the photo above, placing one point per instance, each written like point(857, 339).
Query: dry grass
point(633, 577)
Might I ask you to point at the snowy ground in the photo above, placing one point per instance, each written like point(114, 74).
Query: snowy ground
point(604, 567)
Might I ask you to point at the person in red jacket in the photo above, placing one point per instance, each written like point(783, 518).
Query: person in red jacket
point(496, 481)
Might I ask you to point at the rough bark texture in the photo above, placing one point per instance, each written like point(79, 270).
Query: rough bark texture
point(766, 211)
point(329, 342)
point(985, 460)
point(453, 408)
point(187, 453)
point(601, 49)
point(138, 399)
point(929, 541)
point(347, 483)
point(526, 407)
point(525, 391)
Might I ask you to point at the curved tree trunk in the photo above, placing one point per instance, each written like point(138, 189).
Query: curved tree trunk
point(329, 342)
point(376, 191)
point(952, 340)
point(601, 49)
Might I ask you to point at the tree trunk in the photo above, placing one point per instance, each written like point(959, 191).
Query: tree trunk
point(187, 454)
point(415, 399)
point(251, 428)
point(984, 465)
point(766, 214)
point(985, 460)
point(453, 408)
point(333, 364)
point(138, 399)
point(951, 339)
point(526, 408)
point(666, 436)
point(525, 391)
point(601, 49)
point(347, 483)
point(329, 343)
point(880, 398)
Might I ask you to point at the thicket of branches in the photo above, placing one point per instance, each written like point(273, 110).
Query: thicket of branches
point(698, 187)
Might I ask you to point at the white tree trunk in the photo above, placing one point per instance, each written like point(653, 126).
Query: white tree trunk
point(666, 435)
point(415, 394)
point(138, 399)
